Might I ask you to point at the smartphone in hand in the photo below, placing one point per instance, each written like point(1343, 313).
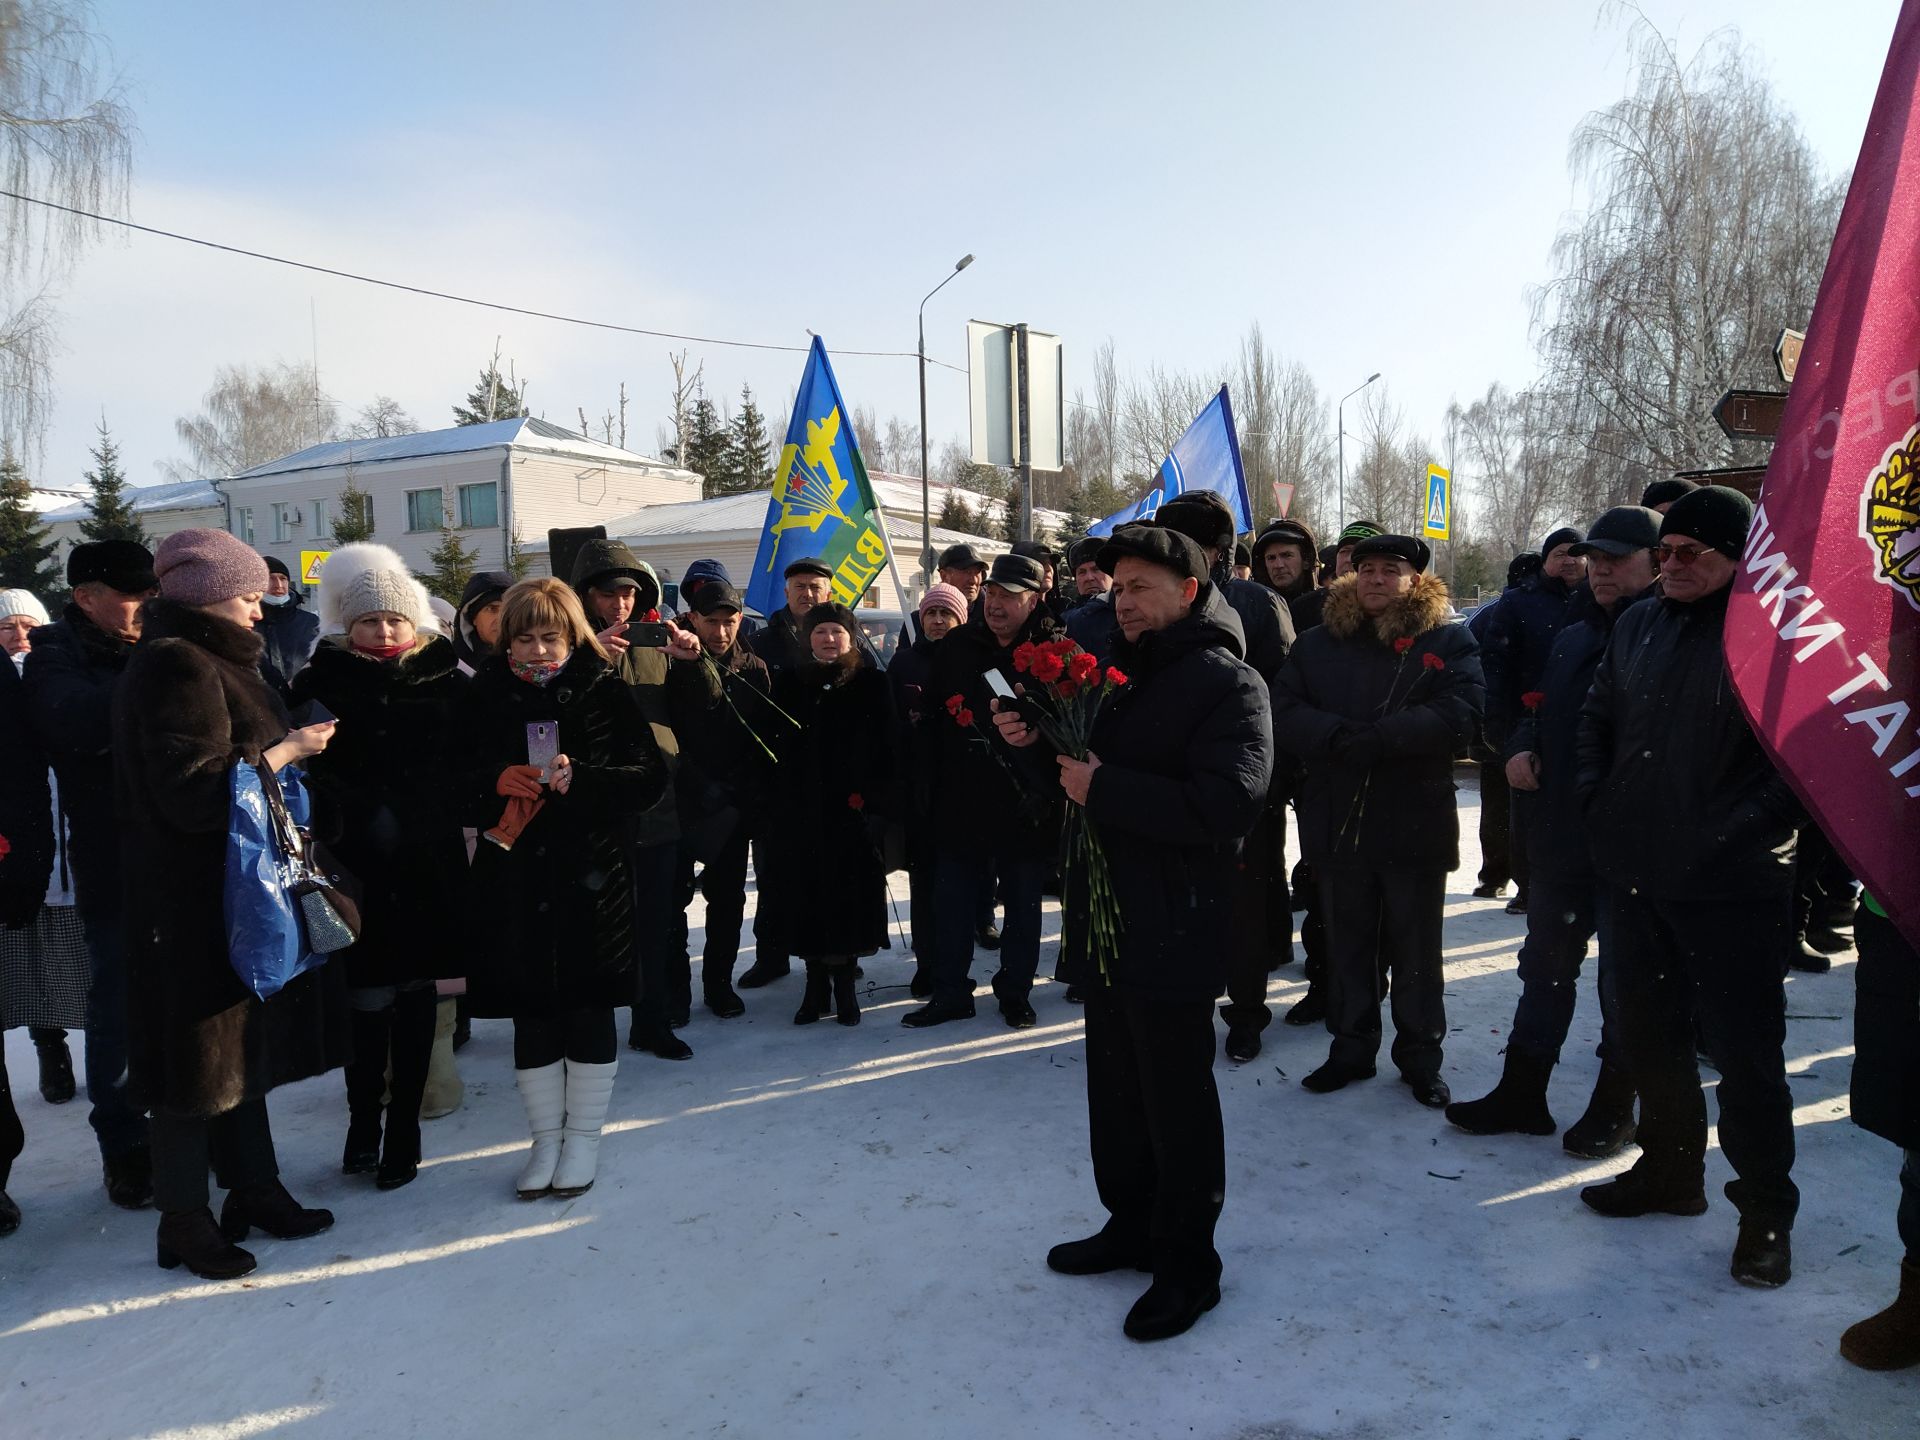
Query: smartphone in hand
point(647, 634)
point(543, 745)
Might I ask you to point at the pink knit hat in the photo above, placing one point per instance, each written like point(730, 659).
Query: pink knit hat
point(947, 597)
point(204, 567)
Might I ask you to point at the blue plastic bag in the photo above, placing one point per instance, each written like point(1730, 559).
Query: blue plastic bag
point(266, 943)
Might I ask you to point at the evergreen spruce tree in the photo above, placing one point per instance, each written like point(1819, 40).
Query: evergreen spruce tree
point(709, 449)
point(495, 397)
point(1010, 514)
point(110, 515)
point(26, 548)
point(1079, 516)
point(355, 520)
point(453, 564)
point(956, 514)
point(748, 444)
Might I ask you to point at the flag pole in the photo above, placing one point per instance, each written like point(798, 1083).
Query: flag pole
point(893, 568)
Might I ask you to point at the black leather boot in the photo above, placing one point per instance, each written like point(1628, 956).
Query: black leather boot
point(56, 1070)
point(366, 1078)
point(413, 1023)
point(190, 1238)
point(1517, 1105)
point(846, 995)
point(818, 996)
point(271, 1208)
point(1607, 1128)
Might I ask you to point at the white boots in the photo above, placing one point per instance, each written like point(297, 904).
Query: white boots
point(589, 1089)
point(444, 1088)
point(563, 1160)
point(544, 1092)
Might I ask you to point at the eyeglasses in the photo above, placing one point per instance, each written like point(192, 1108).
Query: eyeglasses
point(1681, 555)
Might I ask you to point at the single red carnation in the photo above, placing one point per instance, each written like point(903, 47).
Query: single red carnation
point(856, 801)
point(1115, 677)
point(1023, 657)
point(1048, 667)
point(954, 702)
point(1533, 699)
point(1082, 668)
point(6, 847)
point(1433, 661)
point(1403, 644)
point(965, 717)
point(652, 617)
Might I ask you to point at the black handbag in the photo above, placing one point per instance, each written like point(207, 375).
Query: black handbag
point(325, 894)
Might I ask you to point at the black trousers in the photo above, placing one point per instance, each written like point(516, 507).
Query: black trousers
point(722, 883)
point(1153, 1116)
point(663, 975)
point(1564, 915)
point(1250, 953)
point(1823, 889)
point(586, 1037)
point(765, 954)
point(1716, 962)
point(1496, 818)
point(238, 1146)
point(1384, 922)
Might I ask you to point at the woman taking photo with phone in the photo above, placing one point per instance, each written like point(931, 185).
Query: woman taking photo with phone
point(384, 803)
point(203, 1051)
point(561, 757)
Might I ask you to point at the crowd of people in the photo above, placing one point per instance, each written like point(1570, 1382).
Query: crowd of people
point(564, 765)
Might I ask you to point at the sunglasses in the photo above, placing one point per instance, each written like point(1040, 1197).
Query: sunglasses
point(1681, 555)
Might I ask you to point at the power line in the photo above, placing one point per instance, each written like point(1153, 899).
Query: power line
point(444, 295)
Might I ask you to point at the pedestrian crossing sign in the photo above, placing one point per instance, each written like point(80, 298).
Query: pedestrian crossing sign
point(1439, 522)
point(310, 563)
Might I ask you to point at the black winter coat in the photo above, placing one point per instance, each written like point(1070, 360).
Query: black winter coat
point(1266, 623)
point(822, 882)
point(26, 804)
point(982, 804)
point(717, 709)
point(1094, 627)
point(1886, 1032)
point(191, 705)
point(1377, 729)
point(1186, 757)
point(551, 920)
point(1308, 609)
point(1515, 646)
point(1557, 831)
point(1681, 802)
point(386, 802)
point(71, 673)
point(290, 632)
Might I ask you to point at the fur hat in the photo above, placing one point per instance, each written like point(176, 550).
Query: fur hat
point(204, 567)
point(363, 578)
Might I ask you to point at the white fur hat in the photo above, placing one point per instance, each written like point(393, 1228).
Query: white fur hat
point(362, 578)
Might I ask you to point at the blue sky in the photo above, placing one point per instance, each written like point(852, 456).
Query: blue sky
point(1378, 185)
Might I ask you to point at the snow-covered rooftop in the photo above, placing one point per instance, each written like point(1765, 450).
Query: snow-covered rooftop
point(524, 433)
point(746, 515)
point(178, 495)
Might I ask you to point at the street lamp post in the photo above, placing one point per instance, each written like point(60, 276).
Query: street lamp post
point(926, 500)
point(1339, 424)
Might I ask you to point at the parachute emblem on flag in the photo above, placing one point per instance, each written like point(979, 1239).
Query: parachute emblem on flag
point(810, 484)
point(1890, 517)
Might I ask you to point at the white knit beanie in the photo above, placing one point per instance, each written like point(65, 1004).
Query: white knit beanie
point(22, 602)
point(362, 579)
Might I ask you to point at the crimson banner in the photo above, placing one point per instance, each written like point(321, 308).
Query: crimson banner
point(1825, 615)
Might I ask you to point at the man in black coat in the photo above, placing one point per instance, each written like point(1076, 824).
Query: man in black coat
point(1263, 911)
point(1375, 703)
point(1702, 901)
point(1541, 765)
point(1284, 561)
point(1498, 863)
point(288, 628)
point(71, 674)
point(1177, 773)
point(987, 819)
point(1515, 645)
point(721, 716)
point(1886, 1101)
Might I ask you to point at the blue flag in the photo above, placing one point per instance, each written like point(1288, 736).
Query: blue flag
point(822, 505)
point(1207, 457)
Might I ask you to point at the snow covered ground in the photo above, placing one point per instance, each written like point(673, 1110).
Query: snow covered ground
point(841, 1232)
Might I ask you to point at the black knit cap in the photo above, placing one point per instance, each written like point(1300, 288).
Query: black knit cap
point(1201, 516)
point(1713, 515)
point(831, 613)
point(1665, 492)
point(277, 566)
point(1242, 554)
point(1524, 566)
point(1565, 535)
point(1410, 548)
point(1159, 544)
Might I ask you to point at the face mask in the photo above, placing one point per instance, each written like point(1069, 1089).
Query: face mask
point(276, 599)
point(383, 652)
point(536, 672)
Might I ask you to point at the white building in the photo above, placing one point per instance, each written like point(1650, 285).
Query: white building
point(501, 486)
point(163, 509)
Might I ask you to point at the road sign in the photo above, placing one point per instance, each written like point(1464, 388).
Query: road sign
point(310, 563)
point(1282, 499)
point(1786, 353)
point(1750, 414)
point(1439, 521)
point(994, 382)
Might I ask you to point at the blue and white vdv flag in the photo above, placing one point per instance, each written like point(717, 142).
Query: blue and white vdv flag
point(1207, 457)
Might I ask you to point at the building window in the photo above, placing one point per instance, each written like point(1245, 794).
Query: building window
point(320, 531)
point(479, 506)
point(282, 531)
point(243, 523)
point(425, 510)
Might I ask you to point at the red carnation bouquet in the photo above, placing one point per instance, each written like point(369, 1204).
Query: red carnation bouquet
point(1069, 688)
